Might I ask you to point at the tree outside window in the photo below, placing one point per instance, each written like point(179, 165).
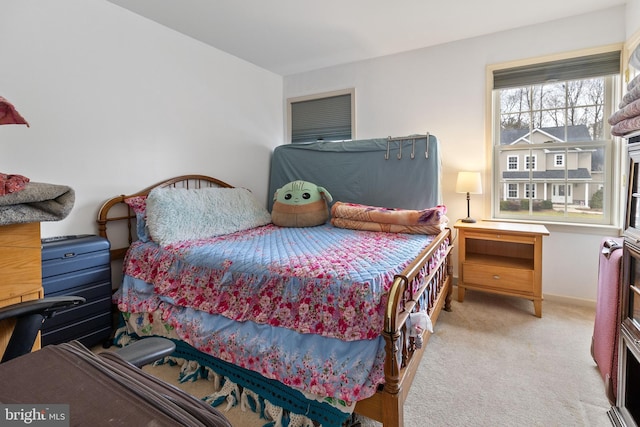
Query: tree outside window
point(558, 128)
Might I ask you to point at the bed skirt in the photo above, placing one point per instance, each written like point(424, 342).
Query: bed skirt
point(272, 400)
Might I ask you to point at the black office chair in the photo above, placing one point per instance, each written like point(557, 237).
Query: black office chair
point(30, 316)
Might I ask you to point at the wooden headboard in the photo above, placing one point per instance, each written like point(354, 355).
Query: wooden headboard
point(116, 212)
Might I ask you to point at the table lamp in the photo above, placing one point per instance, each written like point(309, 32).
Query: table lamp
point(469, 182)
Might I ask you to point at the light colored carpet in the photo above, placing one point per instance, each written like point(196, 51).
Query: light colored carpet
point(491, 362)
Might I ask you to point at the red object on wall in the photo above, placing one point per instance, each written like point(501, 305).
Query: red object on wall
point(9, 115)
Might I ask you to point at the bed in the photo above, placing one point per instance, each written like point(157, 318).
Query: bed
point(305, 324)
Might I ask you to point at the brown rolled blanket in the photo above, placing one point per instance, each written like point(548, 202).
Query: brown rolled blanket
point(390, 220)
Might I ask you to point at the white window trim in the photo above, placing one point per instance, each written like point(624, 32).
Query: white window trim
point(557, 157)
point(513, 156)
point(617, 155)
point(350, 91)
point(507, 193)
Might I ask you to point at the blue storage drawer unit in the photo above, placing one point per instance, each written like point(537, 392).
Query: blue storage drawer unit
point(78, 265)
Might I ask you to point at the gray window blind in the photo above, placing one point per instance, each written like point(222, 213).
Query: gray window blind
point(601, 64)
point(327, 119)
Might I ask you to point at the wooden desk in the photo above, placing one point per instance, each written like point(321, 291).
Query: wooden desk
point(20, 270)
point(503, 258)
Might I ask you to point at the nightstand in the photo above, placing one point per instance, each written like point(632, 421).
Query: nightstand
point(503, 258)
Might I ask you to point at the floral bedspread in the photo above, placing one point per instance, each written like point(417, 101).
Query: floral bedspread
point(324, 369)
point(321, 280)
point(303, 306)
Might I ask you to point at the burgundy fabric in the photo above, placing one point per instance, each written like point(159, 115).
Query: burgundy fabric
point(12, 183)
point(605, 331)
point(9, 115)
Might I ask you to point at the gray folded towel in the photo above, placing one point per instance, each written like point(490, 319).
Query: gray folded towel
point(35, 203)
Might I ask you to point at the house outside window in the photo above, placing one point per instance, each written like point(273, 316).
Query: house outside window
point(556, 120)
point(512, 163)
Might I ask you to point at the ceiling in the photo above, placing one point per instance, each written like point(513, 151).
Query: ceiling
point(292, 36)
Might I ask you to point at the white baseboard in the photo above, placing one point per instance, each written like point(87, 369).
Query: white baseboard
point(562, 299)
point(570, 300)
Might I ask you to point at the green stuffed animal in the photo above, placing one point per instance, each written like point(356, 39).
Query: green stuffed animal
point(300, 204)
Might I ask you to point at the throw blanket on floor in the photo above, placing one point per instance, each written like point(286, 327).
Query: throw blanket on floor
point(373, 218)
point(35, 203)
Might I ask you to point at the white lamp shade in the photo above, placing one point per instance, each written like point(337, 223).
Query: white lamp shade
point(469, 182)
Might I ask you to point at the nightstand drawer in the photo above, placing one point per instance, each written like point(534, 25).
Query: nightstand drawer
point(501, 237)
point(512, 279)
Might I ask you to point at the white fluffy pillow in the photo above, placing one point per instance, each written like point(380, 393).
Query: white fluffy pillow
point(175, 214)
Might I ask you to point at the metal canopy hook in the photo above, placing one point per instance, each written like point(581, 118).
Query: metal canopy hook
point(386, 156)
point(401, 139)
point(426, 153)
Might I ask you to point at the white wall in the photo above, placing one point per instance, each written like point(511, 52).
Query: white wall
point(117, 102)
point(632, 21)
point(442, 90)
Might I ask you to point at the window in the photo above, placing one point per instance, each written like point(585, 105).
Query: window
point(530, 162)
point(554, 115)
point(529, 191)
point(322, 117)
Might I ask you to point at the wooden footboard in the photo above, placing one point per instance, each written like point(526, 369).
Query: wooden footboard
point(402, 355)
